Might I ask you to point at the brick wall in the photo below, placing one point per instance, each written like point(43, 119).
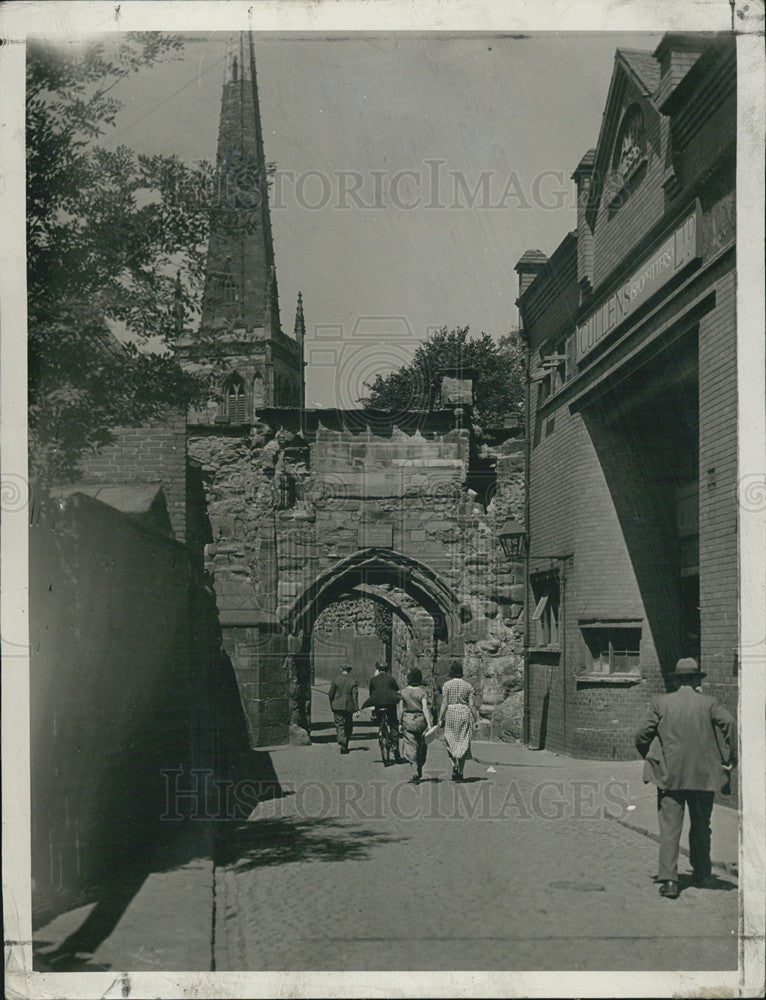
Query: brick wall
point(616, 232)
point(718, 494)
point(155, 452)
point(113, 695)
point(605, 467)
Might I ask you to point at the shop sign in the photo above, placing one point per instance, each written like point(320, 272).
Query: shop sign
point(682, 247)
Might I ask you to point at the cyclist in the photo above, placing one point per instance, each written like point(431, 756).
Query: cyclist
point(383, 698)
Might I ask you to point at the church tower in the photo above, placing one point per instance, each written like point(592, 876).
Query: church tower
point(240, 339)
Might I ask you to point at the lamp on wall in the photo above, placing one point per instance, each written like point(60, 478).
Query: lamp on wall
point(513, 539)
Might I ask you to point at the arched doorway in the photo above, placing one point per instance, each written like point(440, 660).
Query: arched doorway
point(428, 608)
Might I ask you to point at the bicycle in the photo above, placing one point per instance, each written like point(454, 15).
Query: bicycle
point(388, 741)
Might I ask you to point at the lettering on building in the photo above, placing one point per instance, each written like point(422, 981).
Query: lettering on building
point(679, 250)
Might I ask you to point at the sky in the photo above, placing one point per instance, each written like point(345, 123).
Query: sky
point(413, 171)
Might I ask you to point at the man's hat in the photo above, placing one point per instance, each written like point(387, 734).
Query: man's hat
point(688, 666)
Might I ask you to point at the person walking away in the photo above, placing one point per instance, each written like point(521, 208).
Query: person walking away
point(416, 718)
point(686, 739)
point(384, 697)
point(344, 702)
point(458, 717)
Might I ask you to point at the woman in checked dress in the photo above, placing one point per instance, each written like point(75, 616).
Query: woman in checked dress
point(458, 718)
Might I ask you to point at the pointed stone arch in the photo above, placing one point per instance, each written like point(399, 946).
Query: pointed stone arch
point(372, 566)
point(259, 390)
point(367, 568)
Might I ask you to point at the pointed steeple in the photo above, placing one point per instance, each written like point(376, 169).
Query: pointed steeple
point(299, 335)
point(240, 281)
point(299, 330)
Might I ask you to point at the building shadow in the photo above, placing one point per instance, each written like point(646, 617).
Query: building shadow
point(172, 817)
point(175, 845)
point(330, 737)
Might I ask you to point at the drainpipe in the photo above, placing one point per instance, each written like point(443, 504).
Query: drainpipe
point(527, 548)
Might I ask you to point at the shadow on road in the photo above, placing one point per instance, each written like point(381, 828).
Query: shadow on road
point(713, 883)
point(176, 845)
point(221, 781)
point(330, 737)
point(269, 842)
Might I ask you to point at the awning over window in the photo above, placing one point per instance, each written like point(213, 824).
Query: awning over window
point(613, 623)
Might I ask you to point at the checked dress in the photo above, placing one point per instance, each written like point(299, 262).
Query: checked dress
point(458, 720)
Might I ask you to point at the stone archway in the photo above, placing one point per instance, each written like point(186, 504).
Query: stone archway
point(368, 572)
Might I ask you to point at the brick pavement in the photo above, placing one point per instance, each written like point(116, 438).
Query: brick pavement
point(524, 868)
point(521, 868)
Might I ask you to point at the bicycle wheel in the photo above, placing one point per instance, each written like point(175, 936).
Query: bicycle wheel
point(383, 743)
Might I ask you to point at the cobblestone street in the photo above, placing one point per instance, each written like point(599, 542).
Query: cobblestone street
point(519, 868)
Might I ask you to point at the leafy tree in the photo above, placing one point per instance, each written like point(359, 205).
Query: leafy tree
point(498, 387)
point(115, 242)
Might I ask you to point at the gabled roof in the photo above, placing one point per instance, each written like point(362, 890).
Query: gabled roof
point(644, 67)
point(644, 71)
point(143, 501)
point(585, 165)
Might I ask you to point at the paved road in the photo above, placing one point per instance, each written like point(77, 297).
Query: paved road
point(353, 868)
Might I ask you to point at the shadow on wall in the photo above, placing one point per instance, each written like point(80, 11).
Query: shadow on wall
point(646, 454)
point(127, 704)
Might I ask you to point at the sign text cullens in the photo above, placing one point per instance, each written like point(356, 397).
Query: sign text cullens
point(682, 247)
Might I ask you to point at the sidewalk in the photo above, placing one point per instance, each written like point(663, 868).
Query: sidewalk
point(162, 921)
point(641, 814)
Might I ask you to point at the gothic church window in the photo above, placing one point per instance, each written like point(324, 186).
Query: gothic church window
point(234, 400)
point(259, 394)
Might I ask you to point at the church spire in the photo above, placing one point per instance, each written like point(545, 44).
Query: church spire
point(299, 335)
point(240, 281)
point(299, 330)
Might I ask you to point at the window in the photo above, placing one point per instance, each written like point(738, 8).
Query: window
point(545, 618)
point(235, 401)
point(553, 369)
point(258, 390)
point(545, 389)
point(613, 647)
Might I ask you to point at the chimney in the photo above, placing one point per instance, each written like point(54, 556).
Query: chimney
point(582, 177)
point(676, 54)
point(529, 266)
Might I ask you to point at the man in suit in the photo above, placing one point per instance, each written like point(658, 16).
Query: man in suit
point(344, 701)
point(686, 740)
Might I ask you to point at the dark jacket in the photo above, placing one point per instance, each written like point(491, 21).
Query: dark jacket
point(685, 738)
point(384, 691)
point(344, 694)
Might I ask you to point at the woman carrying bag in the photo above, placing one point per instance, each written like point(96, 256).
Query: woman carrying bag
point(458, 718)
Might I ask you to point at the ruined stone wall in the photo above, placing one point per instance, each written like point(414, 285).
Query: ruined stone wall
point(282, 512)
point(398, 492)
point(503, 670)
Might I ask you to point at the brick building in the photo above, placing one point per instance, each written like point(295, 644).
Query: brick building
point(631, 407)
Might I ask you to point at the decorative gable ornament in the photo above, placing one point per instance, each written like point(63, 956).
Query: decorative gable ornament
point(631, 143)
